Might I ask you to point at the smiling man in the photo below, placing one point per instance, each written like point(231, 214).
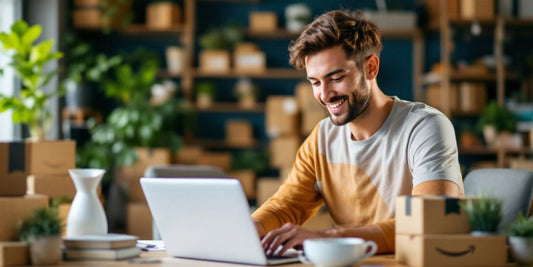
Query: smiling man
point(372, 148)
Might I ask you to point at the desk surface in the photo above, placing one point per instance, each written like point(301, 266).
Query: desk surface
point(165, 260)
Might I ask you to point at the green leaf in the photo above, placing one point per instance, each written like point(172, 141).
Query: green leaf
point(19, 27)
point(40, 51)
point(31, 35)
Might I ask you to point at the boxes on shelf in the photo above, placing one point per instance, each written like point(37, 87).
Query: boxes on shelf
point(15, 253)
point(62, 212)
point(451, 250)
point(217, 159)
point(430, 215)
point(434, 97)
point(139, 220)
point(433, 8)
point(281, 116)
point(283, 151)
point(247, 58)
point(263, 21)
point(284, 172)
point(54, 186)
point(12, 169)
point(39, 161)
point(239, 132)
point(477, 9)
point(176, 59)
point(266, 187)
point(163, 15)
point(87, 18)
point(247, 180)
point(188, 155)
point(473, 97)
point(214, 61)
point(146, 157)
point(16, 209)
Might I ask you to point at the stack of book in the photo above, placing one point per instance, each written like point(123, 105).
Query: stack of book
point(101, 247)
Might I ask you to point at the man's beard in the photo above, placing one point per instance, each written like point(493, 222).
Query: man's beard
point(357, 104)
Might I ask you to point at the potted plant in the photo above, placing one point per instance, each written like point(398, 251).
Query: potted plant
point(520, 234)
point(246, 93)
point(29, 60)
point(205, 92)
point(484, 214)
point(42, 231)
point(494, 120)
point(216, 44)
point(84, 69)
point(297, 16)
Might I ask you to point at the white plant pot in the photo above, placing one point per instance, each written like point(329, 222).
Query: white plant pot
point(490, 134)
point(522, 249)
point(46, 250)
point(86, 215)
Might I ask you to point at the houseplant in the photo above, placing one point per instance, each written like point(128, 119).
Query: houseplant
point(42, 231)
point(520, 234)
point(216, 44)
point(84, 69)
point(484, 214)
point(494, 120)
point(29, 61)
point(205, 94)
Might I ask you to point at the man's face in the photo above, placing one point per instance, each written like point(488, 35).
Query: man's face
point(338, 85)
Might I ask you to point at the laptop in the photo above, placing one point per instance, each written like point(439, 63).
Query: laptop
point(207, 219)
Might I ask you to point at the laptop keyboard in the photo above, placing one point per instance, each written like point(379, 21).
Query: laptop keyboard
point(274, 257)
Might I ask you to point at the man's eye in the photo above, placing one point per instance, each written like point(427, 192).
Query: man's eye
point(337, 79)
point(315, 83)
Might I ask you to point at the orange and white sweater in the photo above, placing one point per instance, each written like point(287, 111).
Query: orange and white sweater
point(358, 181)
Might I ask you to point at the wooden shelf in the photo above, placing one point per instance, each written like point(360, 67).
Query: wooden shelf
point(232, 107)
point(430, 78)
point(135, 29)
point(223, 144)
point(167, 74)
point(276, 73)
point(401, 34)
point(279, 34)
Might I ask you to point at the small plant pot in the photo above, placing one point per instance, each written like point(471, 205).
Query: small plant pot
point(490, 134)
point(204, 101)
point(522, 249)
point(46, 250)
point(483, 233)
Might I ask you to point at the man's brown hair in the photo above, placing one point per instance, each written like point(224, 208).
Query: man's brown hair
point(358, 36)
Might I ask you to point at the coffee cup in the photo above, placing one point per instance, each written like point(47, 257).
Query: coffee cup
point(335, 252)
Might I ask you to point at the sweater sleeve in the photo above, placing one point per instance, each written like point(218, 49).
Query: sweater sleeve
point(296, 200)
point(384, 234)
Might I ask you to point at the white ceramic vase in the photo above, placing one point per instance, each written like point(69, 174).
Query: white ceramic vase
point(522, 249)
point(86, 215)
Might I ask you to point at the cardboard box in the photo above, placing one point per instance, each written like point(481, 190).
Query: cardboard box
point(473, 97)
point(87, 18)
point(16, 209)
point(54, 186)
point(247, 180)
point(134, 189)
point(283, 151)
point(434, 98)
point(217, 159)
point(310, 118)
point(239, 132)
point(162, 15)
point(188, 155)
point(50, 157)
point(263, 21)
point(451, 250)
point(62, 212)
point(477, 9)
point(266, 187)
point(249, 61)
point(139, 220)
point(14, 254)
point(12, 169)
point(146, 157)
point(281, 116)
point(430, 215)
point(214, 61)
point(433, 9)
point(284, 172)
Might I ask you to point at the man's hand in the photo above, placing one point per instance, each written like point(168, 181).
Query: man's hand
point(290, 236)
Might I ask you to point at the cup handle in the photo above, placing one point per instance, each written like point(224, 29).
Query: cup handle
point(303, 258)
point(373, 249)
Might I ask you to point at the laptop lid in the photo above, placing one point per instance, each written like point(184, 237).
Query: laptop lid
point(205, 219)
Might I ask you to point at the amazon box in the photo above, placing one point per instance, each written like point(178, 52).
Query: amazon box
point(12, 169)
point(139, 220)
point(281, 116)
point(54, 186)
point(50, 157)
point(451, 250)
point(14, 210)
point(14, 254)
point(430, 215)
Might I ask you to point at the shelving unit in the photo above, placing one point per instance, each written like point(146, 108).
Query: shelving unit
point(499, 78)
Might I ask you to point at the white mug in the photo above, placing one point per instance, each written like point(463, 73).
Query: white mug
point(334, 252)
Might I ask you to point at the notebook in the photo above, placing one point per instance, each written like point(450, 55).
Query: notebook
point(208, 219)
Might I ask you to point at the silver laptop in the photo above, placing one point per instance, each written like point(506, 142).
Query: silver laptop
point(206, 219)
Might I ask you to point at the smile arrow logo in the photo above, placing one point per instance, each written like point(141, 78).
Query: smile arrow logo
point(457, 253)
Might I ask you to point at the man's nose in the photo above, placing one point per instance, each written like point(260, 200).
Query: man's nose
point(324, 91)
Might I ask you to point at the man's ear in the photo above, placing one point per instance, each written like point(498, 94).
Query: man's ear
point(372, 67)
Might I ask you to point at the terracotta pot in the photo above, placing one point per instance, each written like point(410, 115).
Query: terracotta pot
point(46, 250)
